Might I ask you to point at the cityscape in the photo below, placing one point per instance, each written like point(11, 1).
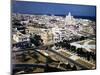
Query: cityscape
point(51, 43)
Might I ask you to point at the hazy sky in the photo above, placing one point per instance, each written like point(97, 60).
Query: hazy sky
point(53, 8)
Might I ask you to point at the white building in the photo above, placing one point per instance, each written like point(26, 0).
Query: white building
point(19, 37)
point(69, 20)
point(59, 34)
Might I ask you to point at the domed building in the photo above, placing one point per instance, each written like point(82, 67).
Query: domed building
point(69, 19)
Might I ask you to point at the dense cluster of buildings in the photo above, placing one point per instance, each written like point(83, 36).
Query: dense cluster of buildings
point(60, 39)
point(51, 28)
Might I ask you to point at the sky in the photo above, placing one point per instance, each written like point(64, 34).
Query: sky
point(25, 7)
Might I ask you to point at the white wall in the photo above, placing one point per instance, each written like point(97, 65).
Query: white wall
point(5, 36)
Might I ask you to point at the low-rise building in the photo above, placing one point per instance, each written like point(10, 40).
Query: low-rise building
point(19, 37)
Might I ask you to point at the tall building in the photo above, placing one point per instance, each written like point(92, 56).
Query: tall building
point(69, 19)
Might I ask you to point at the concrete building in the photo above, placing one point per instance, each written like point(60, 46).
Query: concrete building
point(59, 34)
point(69, 20)
point(19, 37)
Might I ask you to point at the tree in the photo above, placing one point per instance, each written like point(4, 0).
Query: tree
point(68, 66)
point(79, 51)
point(68, 45)
point(82, 38)
point(74, 68)
point(93, 55)
point(73, 48)
point(36, 40)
